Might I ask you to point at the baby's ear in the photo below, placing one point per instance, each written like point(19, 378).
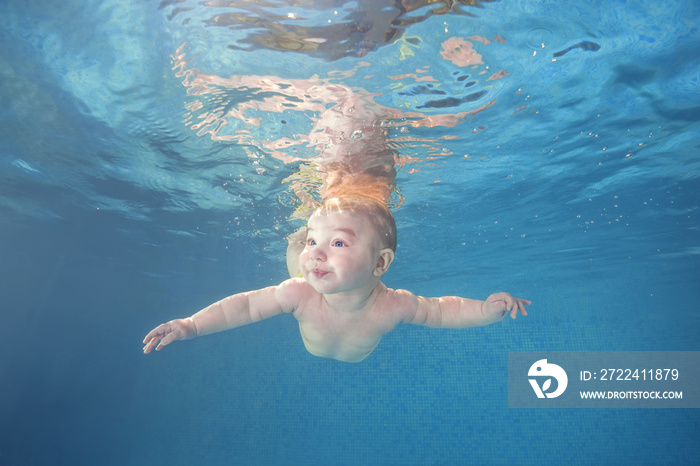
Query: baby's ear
point(386, 257)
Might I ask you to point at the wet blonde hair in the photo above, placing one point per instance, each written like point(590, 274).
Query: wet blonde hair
point(375, 211)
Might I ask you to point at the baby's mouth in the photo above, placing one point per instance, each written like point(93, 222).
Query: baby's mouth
point(318, 273)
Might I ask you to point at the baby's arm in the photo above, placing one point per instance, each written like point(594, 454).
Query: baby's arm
point(456, 312)
point(234, 311)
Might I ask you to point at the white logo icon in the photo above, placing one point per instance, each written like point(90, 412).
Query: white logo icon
point(543, 369)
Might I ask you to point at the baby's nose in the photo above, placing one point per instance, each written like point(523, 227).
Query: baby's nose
point(318, 254)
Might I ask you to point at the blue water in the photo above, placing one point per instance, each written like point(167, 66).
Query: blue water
point(578, 189)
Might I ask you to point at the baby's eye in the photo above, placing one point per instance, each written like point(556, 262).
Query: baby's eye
point(338, 244)
point(311, 242)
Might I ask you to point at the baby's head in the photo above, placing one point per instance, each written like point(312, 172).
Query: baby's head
point(349, 245)
point(367, 222)
point(376, 213)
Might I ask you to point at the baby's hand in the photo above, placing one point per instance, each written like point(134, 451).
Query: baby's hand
point(164, 334)
point(498, 304)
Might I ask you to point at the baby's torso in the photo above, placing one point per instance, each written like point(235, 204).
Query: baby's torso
point(347, 337)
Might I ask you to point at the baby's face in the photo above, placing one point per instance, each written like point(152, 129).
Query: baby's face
point(341, 253)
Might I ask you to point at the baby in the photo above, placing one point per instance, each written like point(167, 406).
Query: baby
point(341, 304)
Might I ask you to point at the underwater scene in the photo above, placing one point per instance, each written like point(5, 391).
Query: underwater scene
point(157, 157)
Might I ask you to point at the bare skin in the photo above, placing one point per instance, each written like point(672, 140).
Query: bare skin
point(342, 307)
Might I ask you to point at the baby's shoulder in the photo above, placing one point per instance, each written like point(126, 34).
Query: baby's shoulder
point(397, 300)
point(294, 292)
point(296, 286)
point(395, 306)
point(399, 294)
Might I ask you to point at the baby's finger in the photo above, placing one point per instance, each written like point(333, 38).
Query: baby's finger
point(521, 306)
point(149, 346)
point(165, 341)
point(511, 305)
point(153, 333)
point(514, 311)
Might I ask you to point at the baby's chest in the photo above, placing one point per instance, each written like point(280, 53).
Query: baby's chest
point(328, 326)
point(323, 325)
